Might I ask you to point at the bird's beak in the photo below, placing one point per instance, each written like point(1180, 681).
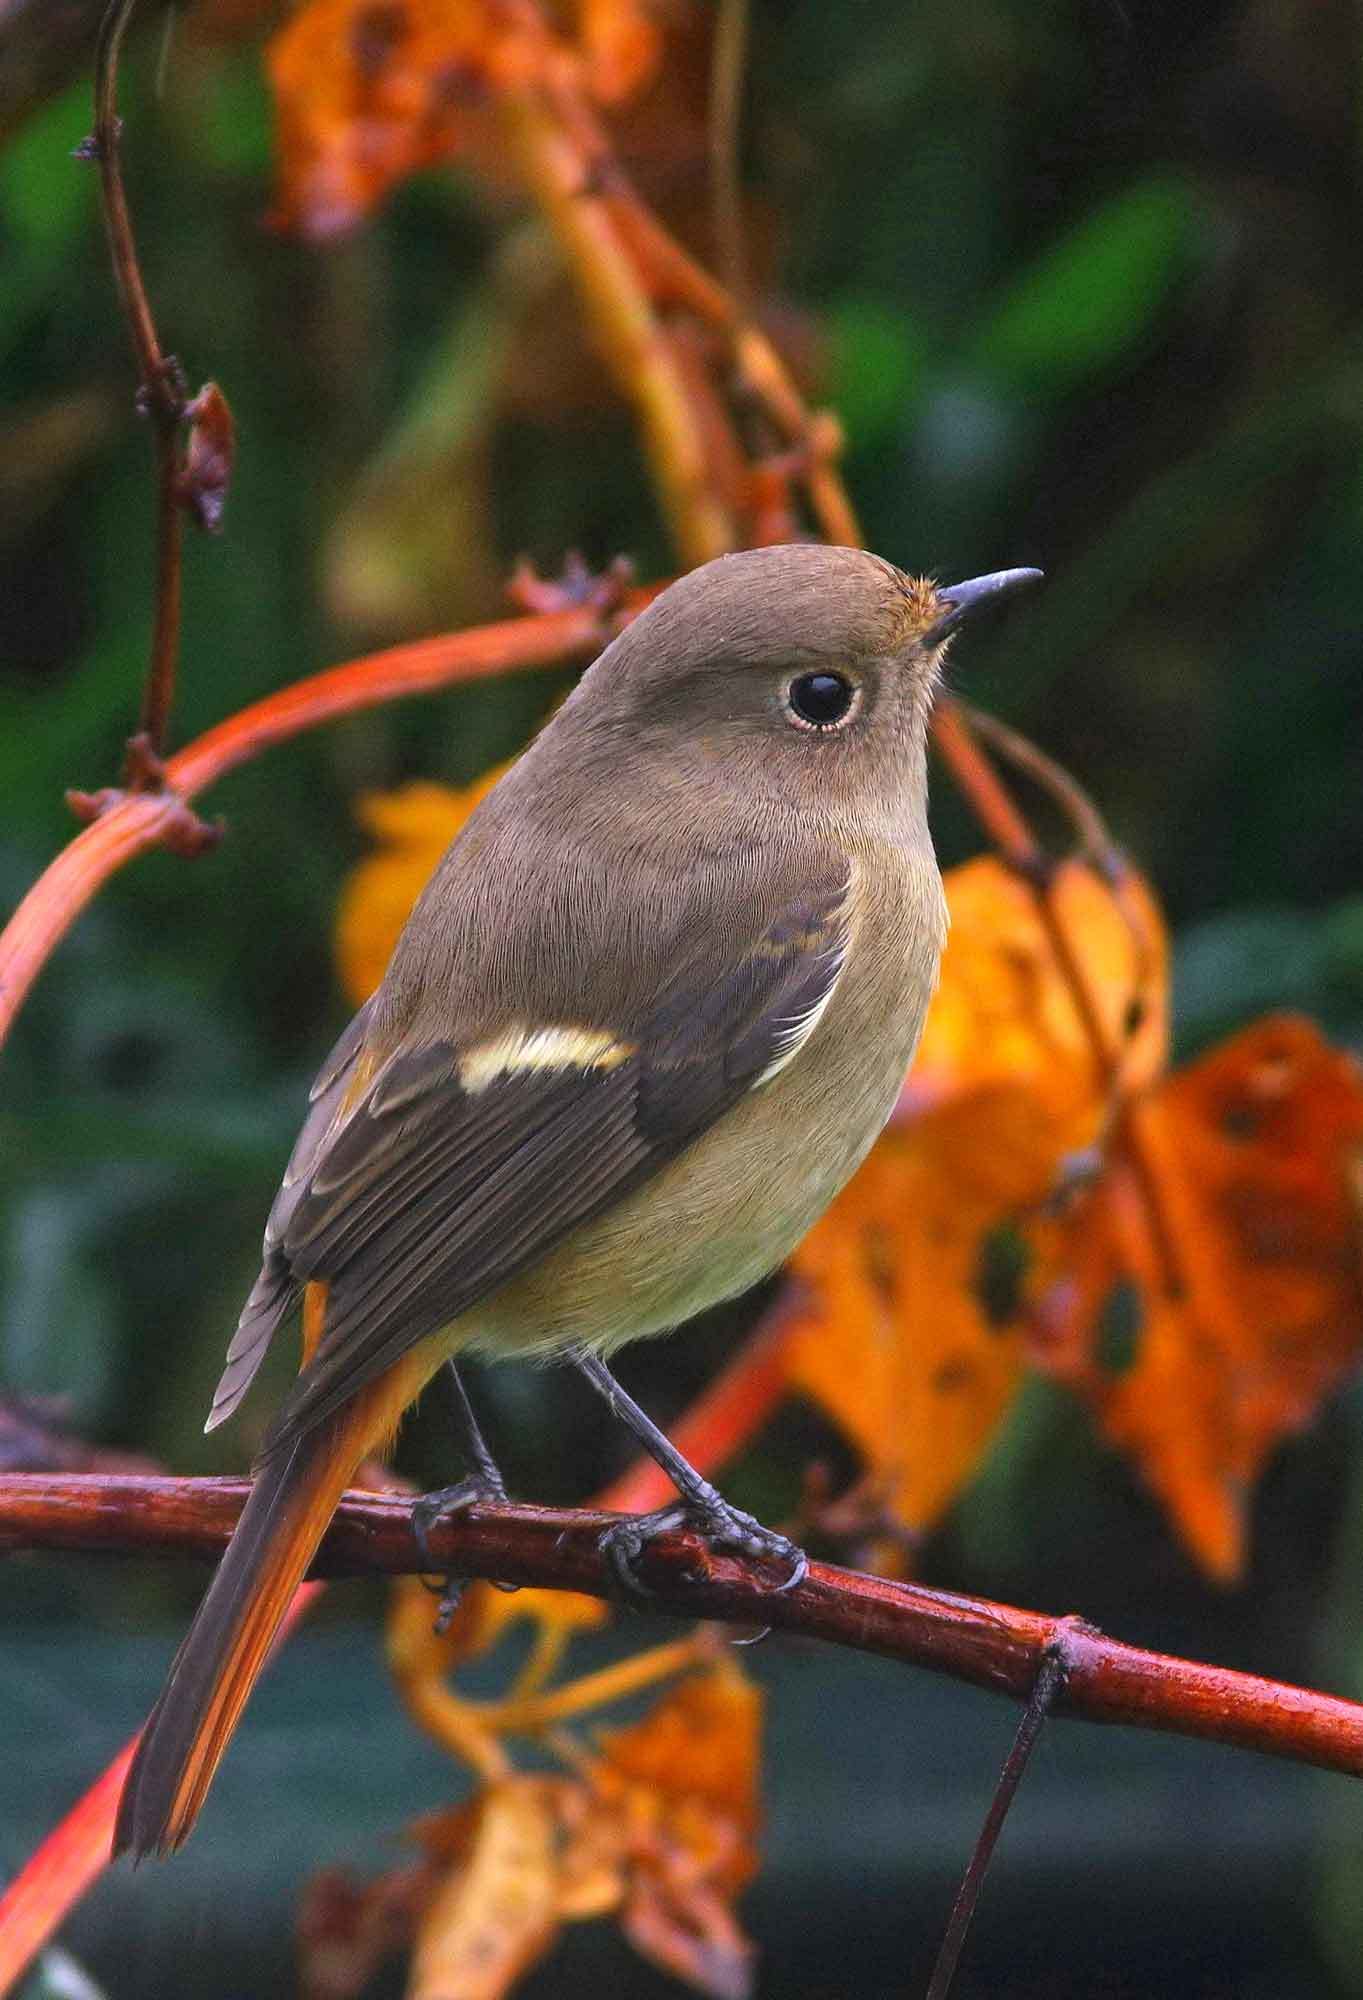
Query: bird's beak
point(963, 600)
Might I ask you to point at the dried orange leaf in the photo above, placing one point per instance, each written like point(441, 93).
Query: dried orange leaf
point(900, 1343)
point(1227, 1227)
point(700, 1742)
point(370, 91)
point(413, 827)
point(621, 44)
point(1005, 1013)
point(896, 1344)
point(659, 1830)
point(683, 1787)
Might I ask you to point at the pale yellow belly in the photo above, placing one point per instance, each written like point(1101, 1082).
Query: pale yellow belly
point(737, 1202)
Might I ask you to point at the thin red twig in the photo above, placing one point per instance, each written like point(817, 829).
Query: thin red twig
point(162, 400)
point(989, 1645)
point(133, 823)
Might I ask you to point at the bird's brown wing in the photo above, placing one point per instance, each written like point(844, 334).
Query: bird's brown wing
point(461, 1164)
point(276, 1289)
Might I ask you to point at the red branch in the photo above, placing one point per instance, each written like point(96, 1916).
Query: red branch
point(989, 1645)
point(132, 823)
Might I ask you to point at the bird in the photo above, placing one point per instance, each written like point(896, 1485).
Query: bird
point(643, 1024)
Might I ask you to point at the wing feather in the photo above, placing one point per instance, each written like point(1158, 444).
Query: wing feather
point(276, 1290)
point(415, 1197)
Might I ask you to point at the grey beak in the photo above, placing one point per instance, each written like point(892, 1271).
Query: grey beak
point(965, 599)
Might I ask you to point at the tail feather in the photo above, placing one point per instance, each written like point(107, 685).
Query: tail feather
point(285, 1517)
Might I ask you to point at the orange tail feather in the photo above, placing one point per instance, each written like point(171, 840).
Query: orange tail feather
point(285, 1517)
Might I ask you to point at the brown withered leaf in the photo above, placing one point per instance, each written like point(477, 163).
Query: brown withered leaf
point(370, 91)
point(210, 454)
point(1229, 1217)
point(902, 1343)
point(347, 1929)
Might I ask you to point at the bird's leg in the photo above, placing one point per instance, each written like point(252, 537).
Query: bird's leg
point(701, 1507)
point(483, 1481)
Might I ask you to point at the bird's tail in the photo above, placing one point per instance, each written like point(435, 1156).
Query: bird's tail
point(286, 1515)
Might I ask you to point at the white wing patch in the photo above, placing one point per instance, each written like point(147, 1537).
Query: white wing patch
point(792, 1035)
point(519, 1050)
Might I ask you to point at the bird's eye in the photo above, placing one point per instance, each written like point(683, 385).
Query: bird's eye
point(821, 701)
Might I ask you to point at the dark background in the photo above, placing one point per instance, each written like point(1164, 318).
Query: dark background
point(1084, 283)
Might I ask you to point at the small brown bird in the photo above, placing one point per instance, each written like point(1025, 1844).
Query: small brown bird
point(643, 1024)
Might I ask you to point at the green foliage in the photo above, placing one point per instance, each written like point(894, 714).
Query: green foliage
point(1082, 307)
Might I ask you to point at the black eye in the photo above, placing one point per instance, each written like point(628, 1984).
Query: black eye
point(821, 701)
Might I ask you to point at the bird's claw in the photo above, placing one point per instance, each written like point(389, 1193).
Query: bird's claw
point(441, 1505)
point(721, 1526)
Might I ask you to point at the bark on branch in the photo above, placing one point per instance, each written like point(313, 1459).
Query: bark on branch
point(989, 1645)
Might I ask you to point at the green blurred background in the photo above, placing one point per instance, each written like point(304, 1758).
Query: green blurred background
point(1084, 282)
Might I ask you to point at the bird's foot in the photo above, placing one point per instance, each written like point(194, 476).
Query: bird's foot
point(442, 1505)
point(720, 1525)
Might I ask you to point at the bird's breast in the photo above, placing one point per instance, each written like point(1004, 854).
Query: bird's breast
point(736, 1202)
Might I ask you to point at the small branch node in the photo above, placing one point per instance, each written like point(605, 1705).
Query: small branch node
point(188, 836)
point(144, 769)
point(165, 397)
point(578, 587)
point(181, 831)
point(1069, 1647)
point(90, 149)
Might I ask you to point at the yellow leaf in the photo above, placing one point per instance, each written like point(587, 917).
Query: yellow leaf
point(497, 1913)
point(659, 1830)
point(1005, 1014)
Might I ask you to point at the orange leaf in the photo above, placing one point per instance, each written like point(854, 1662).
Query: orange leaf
point(413, 826)
point(683, 1784)
point(1005, 1014)
point(899, 1345)
point(896, 1346)
point(370, 91)
point(701, 1741)
point(1230, 1207)
point(621, 45)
